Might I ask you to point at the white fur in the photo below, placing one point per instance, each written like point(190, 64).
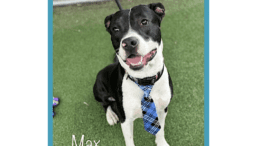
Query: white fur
point(132, 96)
point(152, 67)
point(112, 118)
point(143, 48)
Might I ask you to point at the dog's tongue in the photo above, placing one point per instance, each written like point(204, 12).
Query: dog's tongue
point(134, 61)
point(148, 56)
point(138, 60)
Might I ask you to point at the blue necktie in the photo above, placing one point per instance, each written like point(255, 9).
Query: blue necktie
point(150, 117)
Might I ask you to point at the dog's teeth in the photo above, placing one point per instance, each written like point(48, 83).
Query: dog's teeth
point(140, 61)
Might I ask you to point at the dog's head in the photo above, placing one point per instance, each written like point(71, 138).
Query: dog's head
point(136, 38)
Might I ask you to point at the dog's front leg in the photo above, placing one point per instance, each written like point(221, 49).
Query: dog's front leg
point(160, 139)
point(127, 128)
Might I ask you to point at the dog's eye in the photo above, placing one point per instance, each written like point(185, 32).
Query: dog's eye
point(144, 22)
point(115, 29)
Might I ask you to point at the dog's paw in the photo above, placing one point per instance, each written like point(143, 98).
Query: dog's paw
point(161, 142)
point(112, 118)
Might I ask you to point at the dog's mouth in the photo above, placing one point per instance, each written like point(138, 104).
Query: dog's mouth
point(136, 61)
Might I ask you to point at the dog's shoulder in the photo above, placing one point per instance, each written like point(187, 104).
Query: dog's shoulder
point(108, 80)
point(109, 84)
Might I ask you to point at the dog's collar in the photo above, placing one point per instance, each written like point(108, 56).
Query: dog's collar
point(147, 80)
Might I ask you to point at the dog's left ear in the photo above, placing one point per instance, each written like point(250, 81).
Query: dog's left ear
point(158, 8)
point(108, 21)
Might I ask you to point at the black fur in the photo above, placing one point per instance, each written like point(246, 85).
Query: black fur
point(109, 84)
point(120, 20)
point(152, 29)
point(166, 109)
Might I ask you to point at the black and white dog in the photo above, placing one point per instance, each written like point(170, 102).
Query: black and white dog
point(136, 38)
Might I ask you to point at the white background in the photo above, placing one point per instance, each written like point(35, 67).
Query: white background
point(234, 73)
point(23, 73)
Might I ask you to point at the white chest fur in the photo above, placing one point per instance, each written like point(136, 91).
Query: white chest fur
point(132, 95)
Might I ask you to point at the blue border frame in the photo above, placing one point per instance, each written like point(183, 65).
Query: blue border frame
point(206, 72)
point(50, 72)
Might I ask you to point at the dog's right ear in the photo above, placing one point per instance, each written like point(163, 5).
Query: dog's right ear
point(108, 21)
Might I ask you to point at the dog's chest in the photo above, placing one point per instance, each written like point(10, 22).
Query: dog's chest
point(132, 96)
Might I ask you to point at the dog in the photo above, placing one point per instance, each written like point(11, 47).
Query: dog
point(136, 37)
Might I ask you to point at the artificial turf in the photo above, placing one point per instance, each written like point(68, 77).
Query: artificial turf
point(82, 47)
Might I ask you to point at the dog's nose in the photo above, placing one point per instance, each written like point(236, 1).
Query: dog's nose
point(130, 43)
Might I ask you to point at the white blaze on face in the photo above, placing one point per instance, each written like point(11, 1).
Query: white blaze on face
point(144, 46)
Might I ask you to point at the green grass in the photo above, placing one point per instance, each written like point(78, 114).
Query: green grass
point(82, 47)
